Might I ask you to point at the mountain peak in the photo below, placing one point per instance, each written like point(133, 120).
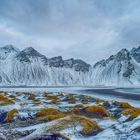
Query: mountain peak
point(101, 62)
point(135, 52)
point(8, 51)
point(123, 51)
point(30, 51)
point(9, 48)
point(56, 61)
point(123, 54)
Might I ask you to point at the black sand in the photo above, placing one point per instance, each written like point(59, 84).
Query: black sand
point(112, 92)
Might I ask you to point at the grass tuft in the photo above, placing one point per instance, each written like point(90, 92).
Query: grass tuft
point(95, 111)
point(123, 104)
point(10, 115)
point(85, 101)
point(49, 114)
point(72, 100)
point(5, 100)
point(131, 112)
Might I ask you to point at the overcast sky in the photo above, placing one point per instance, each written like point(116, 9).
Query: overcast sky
point(85, 29)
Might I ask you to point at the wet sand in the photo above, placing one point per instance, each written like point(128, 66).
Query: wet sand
point(112, 92)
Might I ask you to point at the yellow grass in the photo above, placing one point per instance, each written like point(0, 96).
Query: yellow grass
point(51, 97)
point(54, 99)
point(49, 114)
point(85, 101)
point(96, 111)
point(90, 111)
point(72, 100)
point(5, 100)
point(131, 112)
point(89, 127)
point(79, 106)
point(37, 101)
point(10, 115)
point(12, 96)
point(97, 100)
point(123, 104)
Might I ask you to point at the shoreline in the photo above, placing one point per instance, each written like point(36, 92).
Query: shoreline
point(108, 93)
point(113, 92)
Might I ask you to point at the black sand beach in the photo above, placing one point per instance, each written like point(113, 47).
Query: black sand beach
point(112, 92)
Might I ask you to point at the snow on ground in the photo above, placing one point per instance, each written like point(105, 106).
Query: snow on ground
point(81, 90)
point(28, 126)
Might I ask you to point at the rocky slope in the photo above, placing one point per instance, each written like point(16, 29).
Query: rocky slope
point(29, 67)
point(120, 69)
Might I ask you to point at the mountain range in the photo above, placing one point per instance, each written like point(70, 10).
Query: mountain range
point(29, 67)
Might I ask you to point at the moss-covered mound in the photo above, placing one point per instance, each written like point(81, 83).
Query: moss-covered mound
point(10, 115)
point(85, 101)
point(95, 111)
point(89, 127)
point(71, 100)
point(131, 113)
point(5, 100)
point(123, 104)
point(49, 114)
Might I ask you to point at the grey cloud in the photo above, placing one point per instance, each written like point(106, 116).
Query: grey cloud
point(87, 29)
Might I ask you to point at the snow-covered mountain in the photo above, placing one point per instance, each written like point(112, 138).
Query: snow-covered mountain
point(121, 69)
point(29, 67)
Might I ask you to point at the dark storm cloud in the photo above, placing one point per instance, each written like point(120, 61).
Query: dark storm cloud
point(87, 29)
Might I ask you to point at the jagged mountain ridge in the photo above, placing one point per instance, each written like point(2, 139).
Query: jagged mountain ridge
point(120, 69)
point(29, 67)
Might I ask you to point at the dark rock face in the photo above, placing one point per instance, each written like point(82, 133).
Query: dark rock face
point(102, 63)
point(80, 65)
point(110, 58)
point(31, 52)
point(121, 61)
point(26, 54)
point(7, 50)
point(77, 64)
point(123, 55)
point(129, 70)
point(23, 57)
point(68, 63)
point(56, 61)
point(120, 56)
point(119, 68)
point(135, 52)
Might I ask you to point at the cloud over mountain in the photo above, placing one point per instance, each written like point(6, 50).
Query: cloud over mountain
point(72, 28)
